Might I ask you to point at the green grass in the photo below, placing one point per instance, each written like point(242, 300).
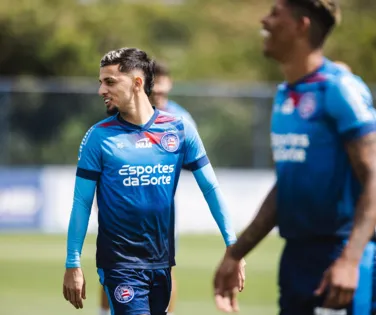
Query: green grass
point(32, 269)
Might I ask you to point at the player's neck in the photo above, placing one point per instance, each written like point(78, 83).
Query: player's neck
point(300, 66)
point(139, 112)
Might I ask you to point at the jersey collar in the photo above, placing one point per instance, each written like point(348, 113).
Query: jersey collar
point(139, 127)
point(310, 77)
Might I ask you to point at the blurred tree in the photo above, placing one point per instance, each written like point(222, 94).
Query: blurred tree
point(212, 40)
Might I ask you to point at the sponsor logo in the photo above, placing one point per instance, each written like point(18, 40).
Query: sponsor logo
point(287, 107)
point(289, 147)
point(120, 145)
point(145, 175)
point(143, 144)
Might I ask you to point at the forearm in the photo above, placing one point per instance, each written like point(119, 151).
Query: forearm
point(362, 154)
point(364, 223)
point(221, 215)
point(209, 186)
point(79, 220)
point(261, 225)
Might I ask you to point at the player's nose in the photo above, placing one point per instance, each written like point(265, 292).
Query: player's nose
point(264, 21)
point(102, 90)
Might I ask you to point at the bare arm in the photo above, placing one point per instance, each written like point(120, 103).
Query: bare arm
point(362, 154)
point(261, 225)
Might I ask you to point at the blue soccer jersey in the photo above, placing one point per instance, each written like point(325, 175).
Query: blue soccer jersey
point(137, 169)
point(311, 122)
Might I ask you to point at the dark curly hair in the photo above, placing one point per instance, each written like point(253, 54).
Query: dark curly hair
point(130, 59)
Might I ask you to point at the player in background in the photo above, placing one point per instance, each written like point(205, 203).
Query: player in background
point(323, 138)
point(134, 159)
point(159, 98)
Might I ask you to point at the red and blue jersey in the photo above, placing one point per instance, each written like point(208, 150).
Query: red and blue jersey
point(136, 170)
point(312, 121)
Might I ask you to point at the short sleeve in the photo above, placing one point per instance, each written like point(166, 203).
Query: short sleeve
point(195, 155)
point(90, 157)
point(349, 103)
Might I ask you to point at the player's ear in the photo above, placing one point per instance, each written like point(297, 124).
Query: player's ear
point(138, 82)
point(304, 25)
point(169, 84)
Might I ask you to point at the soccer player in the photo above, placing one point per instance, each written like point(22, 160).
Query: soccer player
point(323, 137)
point(159, 96)
point(134, 159)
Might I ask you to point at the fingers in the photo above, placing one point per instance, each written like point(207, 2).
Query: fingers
point(227, 280)
point(78, 298)
point(83, 295)
point(323, 285)
point(223, 303)
point(338, 297)
point(332, 298)
point(227, 302)
point(65, 292)
point(234, 301)
point(241, 278)
point(74, 296)
point(241, 275)
point(241, 281)
point(345, 297)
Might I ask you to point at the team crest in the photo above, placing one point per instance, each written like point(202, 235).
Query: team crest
point(307, 105)
point(170, 142)
point(124, 293)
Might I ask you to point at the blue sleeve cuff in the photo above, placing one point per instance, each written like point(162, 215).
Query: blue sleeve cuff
point(357, 132)
point(194, 166)
point(86, 174)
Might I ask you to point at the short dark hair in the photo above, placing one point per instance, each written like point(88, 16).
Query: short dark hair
point(130, 59)
point(161, 70)
point(323, 14)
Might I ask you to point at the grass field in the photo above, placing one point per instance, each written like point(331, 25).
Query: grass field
point(32, 268)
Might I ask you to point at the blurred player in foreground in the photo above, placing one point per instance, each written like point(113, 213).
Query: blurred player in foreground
point(159, 98)
point(323, 136)
point(134, 159)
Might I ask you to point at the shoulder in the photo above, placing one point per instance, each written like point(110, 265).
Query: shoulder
point(108, 122)
point(348, 86)
point(95, 130)
point(167, 117)
point(175, 107)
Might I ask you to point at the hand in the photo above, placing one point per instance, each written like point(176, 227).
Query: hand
point(241, 273)
point(228, 280)
point(74, 287)
point(341, 281)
